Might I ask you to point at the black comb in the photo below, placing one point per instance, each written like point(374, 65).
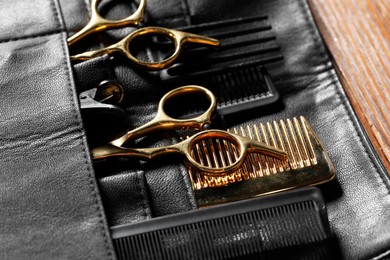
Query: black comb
point(242, 40)
point(293, 225)
point(237, 87)
point(234, 72)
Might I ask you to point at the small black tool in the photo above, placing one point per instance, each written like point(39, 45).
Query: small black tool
point(103, 119)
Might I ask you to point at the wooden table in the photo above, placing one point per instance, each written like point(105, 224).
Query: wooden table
point(357, 33)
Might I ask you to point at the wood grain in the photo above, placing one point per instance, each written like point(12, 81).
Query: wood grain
point(357, 33)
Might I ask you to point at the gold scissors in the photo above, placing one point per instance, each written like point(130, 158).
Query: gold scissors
point(162, 121)
point(97, 23)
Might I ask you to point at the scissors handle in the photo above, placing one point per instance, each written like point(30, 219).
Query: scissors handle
point(243, 144)
point(98, 23)
point(179, 39)
point(162, 121)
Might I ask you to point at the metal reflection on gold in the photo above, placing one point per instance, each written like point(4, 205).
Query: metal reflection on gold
point(308, 164)
point(241, 146)
point(180, 40)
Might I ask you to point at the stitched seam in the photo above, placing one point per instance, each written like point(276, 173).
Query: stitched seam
point(94, 191)
point(184, 8)
point(56, 14)
point(32, 36)
point(79, 127)
point(343, 101)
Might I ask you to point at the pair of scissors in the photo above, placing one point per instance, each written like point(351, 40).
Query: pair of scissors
point(97, 24)
point(162, 121)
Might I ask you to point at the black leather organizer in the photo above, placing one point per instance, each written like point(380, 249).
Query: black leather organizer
point(57, 204)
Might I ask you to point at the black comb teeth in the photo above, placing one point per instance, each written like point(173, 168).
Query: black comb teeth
point(225, 23)
point(242, 40)
point(263, 228)
point(236, 87)
point(234, 71)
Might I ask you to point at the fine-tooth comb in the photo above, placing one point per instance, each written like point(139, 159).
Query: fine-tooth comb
point(242, 40)
point(238, 87)
point(293, 225)
point(233, 72)
point(308, 164)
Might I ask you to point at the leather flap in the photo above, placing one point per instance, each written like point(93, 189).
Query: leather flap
point(49, 199)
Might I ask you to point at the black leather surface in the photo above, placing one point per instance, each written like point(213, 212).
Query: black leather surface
point(90, 74)
point(49, 199)
point(167, 188)
point(19, 21)
point(53, 209)
point(359, 202)
point(129, 192)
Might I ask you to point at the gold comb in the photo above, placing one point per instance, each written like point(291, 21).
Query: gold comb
point(308, 163)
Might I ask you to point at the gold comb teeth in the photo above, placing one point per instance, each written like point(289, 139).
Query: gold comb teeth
point(308, 163)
